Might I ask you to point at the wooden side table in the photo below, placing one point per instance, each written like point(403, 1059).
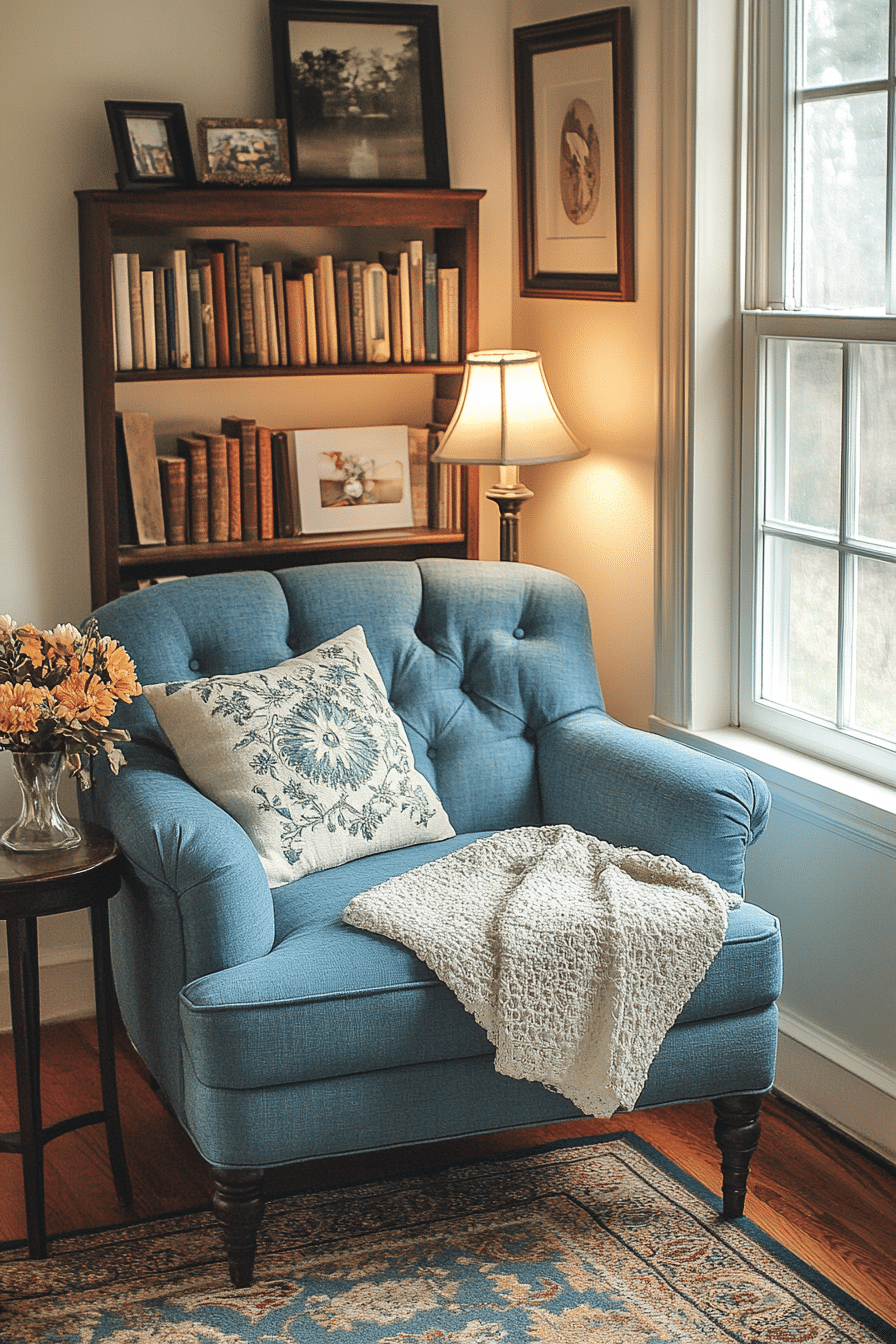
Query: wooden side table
point(47, 884)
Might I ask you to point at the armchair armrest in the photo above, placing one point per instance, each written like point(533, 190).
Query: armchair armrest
point(188, 858)
point(634, 788)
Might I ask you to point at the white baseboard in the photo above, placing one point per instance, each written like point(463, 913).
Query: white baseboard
point(66, 987)
point(841, 1086)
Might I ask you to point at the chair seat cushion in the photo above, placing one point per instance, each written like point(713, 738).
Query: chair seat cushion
point(331, 1000)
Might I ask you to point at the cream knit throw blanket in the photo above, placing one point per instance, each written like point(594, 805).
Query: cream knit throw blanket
point(575, 956)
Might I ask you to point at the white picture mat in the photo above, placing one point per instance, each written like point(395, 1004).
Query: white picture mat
point(558, 77)
point(380, 449)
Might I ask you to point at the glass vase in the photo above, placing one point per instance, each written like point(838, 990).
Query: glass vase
point(41, 826)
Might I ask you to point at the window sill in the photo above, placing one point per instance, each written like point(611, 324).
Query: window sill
point(862, 809)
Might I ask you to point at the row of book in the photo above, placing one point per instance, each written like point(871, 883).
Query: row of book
point(241, 484)
point(208, 305)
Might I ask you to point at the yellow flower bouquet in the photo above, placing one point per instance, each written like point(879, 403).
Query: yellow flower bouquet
point(58, 691)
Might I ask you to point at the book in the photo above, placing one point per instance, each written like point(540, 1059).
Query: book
point(323, 265)
point(356, 303)
point(195, 454)
point(244, 296)
point(449, 314)
point(197, 335)
point(415, 273)
point(161, 321)
point(286, 486)
point(296, 329)
point(121, 304)
point(207, 308)
point(394, 288)
point(235, 512)
point(265, 483)
point(135, 299)
point(404, 289)
point(226, 248)
point(431, 306)
point(218, 486)
point(343, 314)
point(233, 427)
point(173, 485)
point(148, 304)
point(219, 308)
point(259, 315)
point(137, 435)
point(276, 268)
point(376, 313)
point(418, 457)
point(311, 316)
point(176, 261)
point(270, 312)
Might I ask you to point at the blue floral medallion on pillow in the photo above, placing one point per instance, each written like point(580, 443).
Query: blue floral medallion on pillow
point(309, 757)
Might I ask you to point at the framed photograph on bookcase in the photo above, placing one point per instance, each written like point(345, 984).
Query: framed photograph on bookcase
point(573, 91)
point(360, 86)
point(353, 480)
point(152, 145)
point(242, 153)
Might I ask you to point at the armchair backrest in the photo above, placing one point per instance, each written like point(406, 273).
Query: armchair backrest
point(477, 657)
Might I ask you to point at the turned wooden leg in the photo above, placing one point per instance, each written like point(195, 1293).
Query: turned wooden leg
point(239, 1207)
point(737, 1132)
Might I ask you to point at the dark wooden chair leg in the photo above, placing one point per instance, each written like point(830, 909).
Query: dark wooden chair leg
point(737, 1131)
point(239, 1207)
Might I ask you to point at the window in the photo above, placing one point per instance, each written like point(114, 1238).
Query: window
point(818, 666)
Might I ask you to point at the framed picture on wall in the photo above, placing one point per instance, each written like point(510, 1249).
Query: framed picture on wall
point(575, 181)
point(360, 86)
point(152, 145)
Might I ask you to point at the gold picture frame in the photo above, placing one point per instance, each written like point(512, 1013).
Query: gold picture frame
point(236, 152)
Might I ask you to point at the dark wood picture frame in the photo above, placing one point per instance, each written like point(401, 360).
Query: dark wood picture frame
point(574, 113)
point(227, 166)
point(347, 127)
point(162, 159)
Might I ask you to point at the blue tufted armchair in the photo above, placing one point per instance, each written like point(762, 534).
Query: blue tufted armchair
point(279, 1033)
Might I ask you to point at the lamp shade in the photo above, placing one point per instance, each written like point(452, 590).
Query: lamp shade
point(506, 415)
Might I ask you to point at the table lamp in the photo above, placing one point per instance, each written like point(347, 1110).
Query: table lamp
point(506, 416)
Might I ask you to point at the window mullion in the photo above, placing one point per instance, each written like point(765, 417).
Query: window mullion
point(849, 517)
point(891, 172)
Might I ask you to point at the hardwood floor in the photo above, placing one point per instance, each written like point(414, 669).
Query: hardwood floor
point(824, 1199)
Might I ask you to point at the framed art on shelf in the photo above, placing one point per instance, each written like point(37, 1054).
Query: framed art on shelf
point(360, 86)
point(152, 145)
point(353, 480)
point(575, 181)
point(242, 153)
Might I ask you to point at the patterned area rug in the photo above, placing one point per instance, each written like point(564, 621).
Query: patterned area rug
point(599, 1239)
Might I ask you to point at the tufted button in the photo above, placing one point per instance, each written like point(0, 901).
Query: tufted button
point(431, 753)
point(194, 664)
point(519, 633)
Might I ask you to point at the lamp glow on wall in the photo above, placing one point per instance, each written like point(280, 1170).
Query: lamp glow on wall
point(506, 417)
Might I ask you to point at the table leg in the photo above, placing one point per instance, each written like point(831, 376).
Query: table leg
point(104, 992)
point(24, 994)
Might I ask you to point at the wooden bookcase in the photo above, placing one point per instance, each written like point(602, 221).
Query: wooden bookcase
point(298, 219)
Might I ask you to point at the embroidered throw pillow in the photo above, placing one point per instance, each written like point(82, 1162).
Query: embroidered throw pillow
point(309, 757)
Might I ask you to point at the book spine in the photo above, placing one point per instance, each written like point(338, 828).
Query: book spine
point(181, 308)
point(270, 310)
point(158, 278)
point(232, 290)
point(171, 316)
point(135, 300)
point(404, 282)
point(207, 301)
point(235, 513)
point(393, 286)
point(311, 316)
point(324, 265)
point(121, 294)
point(218, 488)
point(376, 313)
point(259, 316)
point(219, 301)
point(244, 430)
point(173, 481)
point(280, 307)
point(296, 328)
point(285, 492)
point(320, 318)
point(147, 288)
point(356, 304)
point(194, 299)
point(265, 484)
point(195, 454)
point(343, 314)
point(431, 306)
point(449, 315)
point(244, 292)
point(415, 268)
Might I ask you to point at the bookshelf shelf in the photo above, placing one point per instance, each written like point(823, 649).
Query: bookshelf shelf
point(297, 220)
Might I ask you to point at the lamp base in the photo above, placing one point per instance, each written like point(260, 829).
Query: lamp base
point(509, 495)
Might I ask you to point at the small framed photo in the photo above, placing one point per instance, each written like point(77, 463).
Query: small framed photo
point(575, 188)
point(152, 145)
point(242, 153)
point(353, 480)
point(360, 86)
